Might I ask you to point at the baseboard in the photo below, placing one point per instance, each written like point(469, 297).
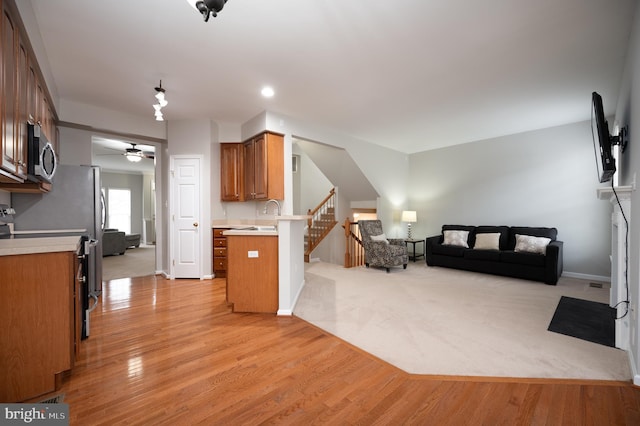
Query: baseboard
point(634, 370)
point(587, 277)
point(164, 274)
point(289, 312)
point(207, 277)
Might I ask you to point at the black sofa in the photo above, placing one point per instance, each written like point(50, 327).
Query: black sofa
point(527, 262)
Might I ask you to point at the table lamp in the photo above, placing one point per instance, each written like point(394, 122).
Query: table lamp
point(409, 216)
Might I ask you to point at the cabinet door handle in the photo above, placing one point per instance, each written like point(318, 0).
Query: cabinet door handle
point(195, 224)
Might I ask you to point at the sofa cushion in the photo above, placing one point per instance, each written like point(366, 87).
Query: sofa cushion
point(455, 251)
point(482, 255)
point(522, 258)
point(487, 241)
point(458, 227)
point(502, 230)
point(456, 238)
point(550, 233)
point(530, 244)
point(381, 237)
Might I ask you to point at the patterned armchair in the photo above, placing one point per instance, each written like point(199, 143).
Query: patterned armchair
point(380, 251)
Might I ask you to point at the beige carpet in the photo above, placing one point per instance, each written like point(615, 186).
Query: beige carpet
point(448, 322)
point(135, 262)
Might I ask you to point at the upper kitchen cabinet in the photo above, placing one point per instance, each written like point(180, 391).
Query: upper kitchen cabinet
point(23, 98)
point(11, 156)
point(264, 167)
point(231, 172)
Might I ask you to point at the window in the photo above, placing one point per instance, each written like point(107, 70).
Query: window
point(119, 208)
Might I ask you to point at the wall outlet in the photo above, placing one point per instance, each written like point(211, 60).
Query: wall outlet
point(252, 253)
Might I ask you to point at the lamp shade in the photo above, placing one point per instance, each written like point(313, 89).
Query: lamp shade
point(409, 216)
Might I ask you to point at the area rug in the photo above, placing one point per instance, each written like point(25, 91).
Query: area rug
point(136, 262)
point(586, 320)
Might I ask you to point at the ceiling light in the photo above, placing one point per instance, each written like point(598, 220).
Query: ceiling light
point(134, 158)
point(267, 92)
point(161, 102)
point(207, 7)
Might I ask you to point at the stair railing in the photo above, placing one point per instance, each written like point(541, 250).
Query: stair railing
point(320, 223)
point(354, 250)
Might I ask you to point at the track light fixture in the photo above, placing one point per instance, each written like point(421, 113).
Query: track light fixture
point(161, 102)
point(208, 7)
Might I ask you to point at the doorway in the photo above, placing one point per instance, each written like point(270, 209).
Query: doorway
point(129, 192)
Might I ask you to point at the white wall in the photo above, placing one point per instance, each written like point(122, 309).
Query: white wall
point(628, 114)
point(540, 178)
point(386, 169)
point(314, 186)
point(105, 119)
point(197, 138)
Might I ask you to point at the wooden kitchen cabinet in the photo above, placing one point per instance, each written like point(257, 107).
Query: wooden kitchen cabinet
point(219, 253)
point(8, 94)
point(264, 167)
point(23, 98)
point(38, 318)
point(252, 273)
point(231, 172)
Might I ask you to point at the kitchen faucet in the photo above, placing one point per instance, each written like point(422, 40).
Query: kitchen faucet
point(266, 205)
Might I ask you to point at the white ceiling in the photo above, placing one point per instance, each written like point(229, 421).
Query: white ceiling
point(408, 74)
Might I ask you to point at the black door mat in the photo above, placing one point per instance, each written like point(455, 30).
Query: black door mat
point(586, 320)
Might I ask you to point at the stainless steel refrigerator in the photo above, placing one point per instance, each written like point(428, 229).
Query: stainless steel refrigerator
point(75, 202)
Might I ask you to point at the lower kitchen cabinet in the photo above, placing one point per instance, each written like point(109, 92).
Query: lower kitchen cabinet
point(219, 253)
point(252, 273)
point(38, 318)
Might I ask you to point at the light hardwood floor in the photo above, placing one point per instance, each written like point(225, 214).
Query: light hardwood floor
point(171, 352)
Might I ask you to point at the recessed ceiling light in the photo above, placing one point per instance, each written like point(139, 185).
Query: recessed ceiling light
point(267, 92)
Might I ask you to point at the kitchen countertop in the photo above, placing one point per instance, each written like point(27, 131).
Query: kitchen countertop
point(241, 231)
point(14, 246)
point(240, 226)
point(242, 223)
point(270, 221)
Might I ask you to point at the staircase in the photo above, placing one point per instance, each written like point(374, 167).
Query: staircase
point(322, 221)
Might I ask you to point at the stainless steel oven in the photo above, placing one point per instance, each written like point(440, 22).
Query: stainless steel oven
point(89, 299)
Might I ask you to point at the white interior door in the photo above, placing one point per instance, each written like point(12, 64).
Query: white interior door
point(186, 242)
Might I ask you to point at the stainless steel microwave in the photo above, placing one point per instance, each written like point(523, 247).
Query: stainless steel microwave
point(41, 157)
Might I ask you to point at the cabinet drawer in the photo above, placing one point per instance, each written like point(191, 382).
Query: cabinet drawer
point(219, 242)
point(217, 232)
point(220, 252)
point(220, 264)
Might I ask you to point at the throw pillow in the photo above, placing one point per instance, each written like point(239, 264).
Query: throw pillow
point(456, 238)
point(380, 237)
point(487, 241)
point(530, 244)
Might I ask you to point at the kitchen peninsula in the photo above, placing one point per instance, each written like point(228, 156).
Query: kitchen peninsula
point(280, 251)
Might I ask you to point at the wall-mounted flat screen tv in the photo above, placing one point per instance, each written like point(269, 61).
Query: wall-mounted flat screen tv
point(605, 163)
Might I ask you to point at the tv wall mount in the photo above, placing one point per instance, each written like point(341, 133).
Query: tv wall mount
point(622, 139)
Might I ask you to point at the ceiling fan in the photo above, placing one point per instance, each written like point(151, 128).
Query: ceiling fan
point(134, 154)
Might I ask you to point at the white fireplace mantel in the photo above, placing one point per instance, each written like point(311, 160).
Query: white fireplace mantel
point(619, 255)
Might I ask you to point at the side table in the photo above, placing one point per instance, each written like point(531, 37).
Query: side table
point(413, 255)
